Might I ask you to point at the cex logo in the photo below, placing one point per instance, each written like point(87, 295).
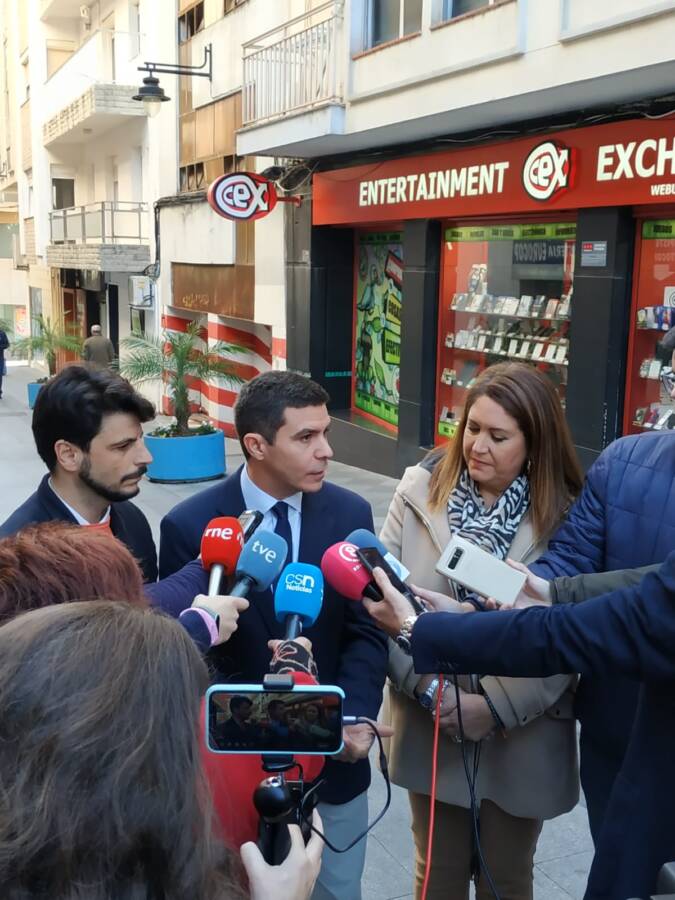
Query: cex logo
point(348, 553)
point(547, 170)
point(242, 196)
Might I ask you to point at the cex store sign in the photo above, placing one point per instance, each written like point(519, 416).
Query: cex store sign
point(621, 164)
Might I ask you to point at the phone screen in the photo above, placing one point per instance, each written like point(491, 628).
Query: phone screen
point(372, 559)
point(288, 722)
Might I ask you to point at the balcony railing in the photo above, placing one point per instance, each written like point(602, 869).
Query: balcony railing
point(294, 67)
point(108, 222)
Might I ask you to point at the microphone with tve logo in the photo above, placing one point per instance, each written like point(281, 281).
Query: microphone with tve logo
point(298, 598)
point(346, 574)
point(221, 546)
point(261, 561)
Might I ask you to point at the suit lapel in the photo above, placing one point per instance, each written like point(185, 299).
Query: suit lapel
point(317, 522)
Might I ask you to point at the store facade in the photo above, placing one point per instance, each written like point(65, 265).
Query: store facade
point(418, 272)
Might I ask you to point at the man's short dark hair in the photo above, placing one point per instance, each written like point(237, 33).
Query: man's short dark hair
point(71, 406)
point(273, 704)
point(264, 400)
point(237, 702)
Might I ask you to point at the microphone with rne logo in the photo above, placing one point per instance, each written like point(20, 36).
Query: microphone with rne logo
point(221, 546)
point(261, 561)
point(346, 574)
point(298, 598)
point(364, 538)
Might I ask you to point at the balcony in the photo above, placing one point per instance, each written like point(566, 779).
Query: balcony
point(110, 236)
point(294, 72)
point(82, 99)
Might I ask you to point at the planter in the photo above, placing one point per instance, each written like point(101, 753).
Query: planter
point(185, 459)
point(33, 390)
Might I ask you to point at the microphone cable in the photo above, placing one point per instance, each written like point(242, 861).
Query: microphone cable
point(471, 781)
point(432, 799)
point(384, 768)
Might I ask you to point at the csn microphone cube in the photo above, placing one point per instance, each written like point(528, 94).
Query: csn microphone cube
point(299, 592)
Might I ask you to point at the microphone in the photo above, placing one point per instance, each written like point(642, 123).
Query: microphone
point(260, 562)
point(346, 574)
point(221, 545)
point(364, 538)
point(298, 598)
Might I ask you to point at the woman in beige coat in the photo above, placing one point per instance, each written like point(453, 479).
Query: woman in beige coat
point(504, 482)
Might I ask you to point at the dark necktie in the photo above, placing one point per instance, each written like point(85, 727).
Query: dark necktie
point(283, 526)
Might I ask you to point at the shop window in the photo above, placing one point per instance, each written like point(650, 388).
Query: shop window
point(451, 9)
point(506, 295)
point(190, 23)
point(392, 19)
point(231, 5)
point(377, 327)
point(650, 377)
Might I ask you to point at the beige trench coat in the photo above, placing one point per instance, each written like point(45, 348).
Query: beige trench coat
point(531, 770)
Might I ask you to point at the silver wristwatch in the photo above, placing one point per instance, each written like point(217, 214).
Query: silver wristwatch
point(405, 634)
point(428, 698)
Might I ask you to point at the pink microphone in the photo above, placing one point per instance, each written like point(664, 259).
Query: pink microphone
point(346, 574)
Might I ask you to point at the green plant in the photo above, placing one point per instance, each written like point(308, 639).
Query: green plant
point(176, 357)
point(50, 339)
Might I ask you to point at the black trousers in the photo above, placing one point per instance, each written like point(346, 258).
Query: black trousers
point(597, 772)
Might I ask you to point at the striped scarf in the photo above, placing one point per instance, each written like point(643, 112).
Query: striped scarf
point(490, 529)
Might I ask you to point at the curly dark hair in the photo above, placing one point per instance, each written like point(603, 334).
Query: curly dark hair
point(101, 788)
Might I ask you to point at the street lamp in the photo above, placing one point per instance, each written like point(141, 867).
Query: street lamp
point(150, 94)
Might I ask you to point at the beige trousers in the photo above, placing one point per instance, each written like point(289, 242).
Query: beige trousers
point(508, 845)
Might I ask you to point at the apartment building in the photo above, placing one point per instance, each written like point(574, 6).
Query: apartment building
point(492, 180)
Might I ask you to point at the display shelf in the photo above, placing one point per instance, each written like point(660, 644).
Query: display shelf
point(516, 358)
point(498, 315)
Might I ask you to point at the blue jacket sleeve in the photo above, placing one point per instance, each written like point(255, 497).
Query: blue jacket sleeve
point(629, 632)
point(579, 544)
point(364, 654)
point(174, 594)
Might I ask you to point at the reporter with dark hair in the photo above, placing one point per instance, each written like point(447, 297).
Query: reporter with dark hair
point(102, 794)
point(282, 421)
point(629, 632)
point(87, 429)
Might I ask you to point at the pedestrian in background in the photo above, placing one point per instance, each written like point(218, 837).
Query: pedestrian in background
point(97, 349)
point(4, 344)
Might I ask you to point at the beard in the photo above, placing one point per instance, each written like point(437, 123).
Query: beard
point(112, 495)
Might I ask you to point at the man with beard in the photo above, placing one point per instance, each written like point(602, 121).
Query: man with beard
point(87, 429)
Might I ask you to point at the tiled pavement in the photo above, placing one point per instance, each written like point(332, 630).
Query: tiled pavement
point(564, 852)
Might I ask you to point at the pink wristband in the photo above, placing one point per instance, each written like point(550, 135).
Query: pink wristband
point(208, 620)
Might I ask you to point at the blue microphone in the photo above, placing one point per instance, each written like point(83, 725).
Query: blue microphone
point(363, 538)
point(298, 598)
point(260, 562)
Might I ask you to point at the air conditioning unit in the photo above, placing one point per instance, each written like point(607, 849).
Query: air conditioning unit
point(85, 15)
point(20, 261)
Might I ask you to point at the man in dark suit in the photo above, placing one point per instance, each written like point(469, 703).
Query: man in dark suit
point(87, 429)
point(282, 422)
point(4, 345)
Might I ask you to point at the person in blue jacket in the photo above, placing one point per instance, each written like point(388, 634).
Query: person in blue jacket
point(628, 633)
point(624, 518)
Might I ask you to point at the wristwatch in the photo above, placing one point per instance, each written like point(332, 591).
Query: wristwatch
point(428, 698)
point(405, 634)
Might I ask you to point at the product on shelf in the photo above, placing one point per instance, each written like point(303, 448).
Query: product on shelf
point(525, 306)
point(538, 305)
point(552, 309)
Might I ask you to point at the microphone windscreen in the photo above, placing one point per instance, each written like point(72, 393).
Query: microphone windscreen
point(262, 558)
point(299, 592)
point(364, 538)
point(222, 542)
point(344, 572)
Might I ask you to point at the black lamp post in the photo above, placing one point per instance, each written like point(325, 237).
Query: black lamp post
point(150, 94)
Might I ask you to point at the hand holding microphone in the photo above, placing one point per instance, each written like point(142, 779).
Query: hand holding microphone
point(225, 611)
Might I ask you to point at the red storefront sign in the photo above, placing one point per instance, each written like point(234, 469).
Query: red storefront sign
point(620, 164)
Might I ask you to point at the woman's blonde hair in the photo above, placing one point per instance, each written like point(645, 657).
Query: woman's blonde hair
point(553, 469)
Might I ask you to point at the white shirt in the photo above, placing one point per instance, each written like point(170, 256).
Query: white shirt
point(74, 513)
point(255, 498)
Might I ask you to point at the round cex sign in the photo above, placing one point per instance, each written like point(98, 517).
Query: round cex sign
point(242, 196)
point(547, 170)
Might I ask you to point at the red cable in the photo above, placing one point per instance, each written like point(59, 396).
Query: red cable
point(432, 799)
